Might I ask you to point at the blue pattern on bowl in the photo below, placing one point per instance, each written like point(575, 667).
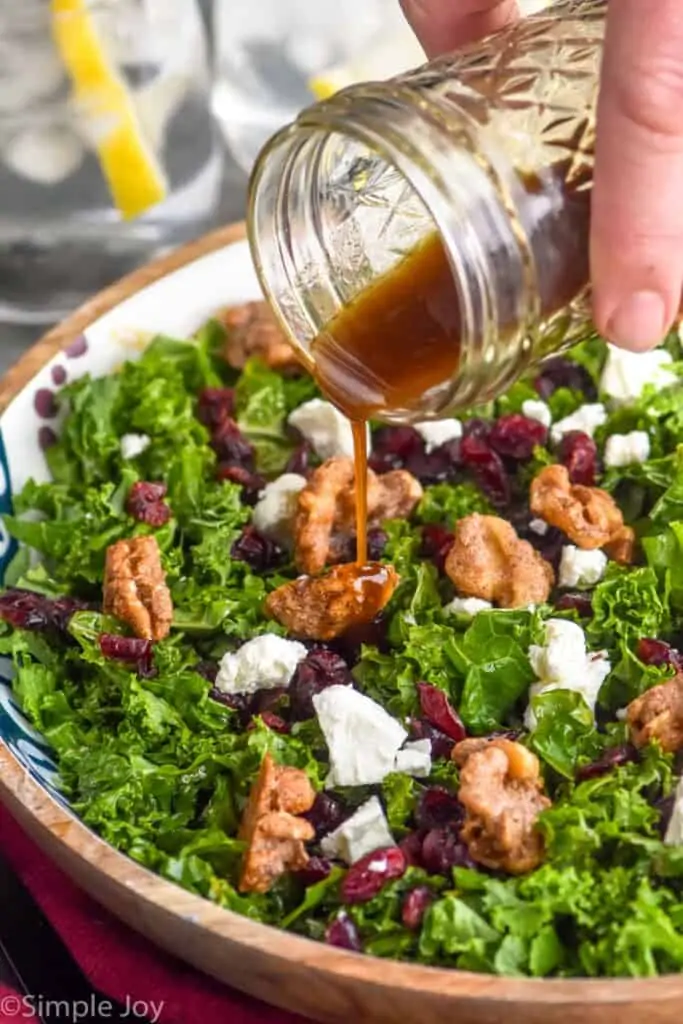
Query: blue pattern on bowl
point(26, 744)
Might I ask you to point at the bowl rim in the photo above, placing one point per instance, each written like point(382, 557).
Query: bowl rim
point(31, 803)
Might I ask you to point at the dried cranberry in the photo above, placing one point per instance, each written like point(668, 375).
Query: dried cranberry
point(559, 372)
point(607, 762)
point(207, 669)
point(432, 468)
point(579, 453)
point(132, 649)
point(274, 722)
point(260, 553)
point(326, 814)
point(369, 634)
point(438, 807)
point(370, 874)
point(437, 709)
point(442, 850)
point(658, 652)
point(377, 541)
point(415, 904)
point(231, 446)
point(214, 405)
point(145, 503)
point(316, 870)
point(268, 700)
point(487, 469)
point(392, 447)
point(515, 436)
point(549, 545)
point(665, 806)
point(580, 603)
point(251, 483)
point(343, 933)
point(441, 464)
point(24, 609)
point(436, 543)
point(411, 847)
point(319, 669)
point(476, 428)
point(240, 702)
point(300, 460)
point(442, 745)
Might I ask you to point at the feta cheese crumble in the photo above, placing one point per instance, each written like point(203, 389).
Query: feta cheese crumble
point(539, 527)
point(274, 513)
point(674, 830)
point(626, 374)
point(563, 663)
point(625, 449)
point(133, 445)
point(263, 663)
point(535, 409)
point(437, 432)
point(324, 427)
point(415, 758)
point(467, 606)
point(581, 569)
point(362, 738)
point(364, 832)
point(587, 418)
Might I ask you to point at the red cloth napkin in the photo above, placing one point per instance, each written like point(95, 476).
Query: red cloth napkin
point(119, 962)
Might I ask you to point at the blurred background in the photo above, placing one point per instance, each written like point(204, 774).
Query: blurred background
point(129, 126)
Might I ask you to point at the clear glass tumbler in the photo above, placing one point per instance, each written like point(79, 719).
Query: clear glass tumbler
point(61, 235)
point(268, 52)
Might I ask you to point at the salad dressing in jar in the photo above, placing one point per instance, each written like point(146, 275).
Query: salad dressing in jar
point(424, 240)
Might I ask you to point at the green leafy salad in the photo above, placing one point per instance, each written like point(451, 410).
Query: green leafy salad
point(159, 743)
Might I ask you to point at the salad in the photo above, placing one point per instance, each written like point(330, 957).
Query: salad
point(474, 768)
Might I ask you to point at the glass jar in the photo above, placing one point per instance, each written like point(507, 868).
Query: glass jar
point(489, 152)
point(61, 236)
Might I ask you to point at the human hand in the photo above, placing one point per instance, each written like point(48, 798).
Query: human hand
point(637, 205)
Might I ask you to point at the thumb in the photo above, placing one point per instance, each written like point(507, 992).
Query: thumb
point(443, 25)
point(637, 204)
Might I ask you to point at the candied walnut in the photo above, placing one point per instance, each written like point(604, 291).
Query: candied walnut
point(658, 715)
point(391, 495)
point(488, 560)
point(271, 826)
point(620, 548)
point(135, 588)
point(253, 331)
point(501, 790)
point(326, 511)
point(317, 511)
point(588, 515)
point(323, 607)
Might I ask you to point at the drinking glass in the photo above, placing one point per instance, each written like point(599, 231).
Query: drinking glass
point(61, 236)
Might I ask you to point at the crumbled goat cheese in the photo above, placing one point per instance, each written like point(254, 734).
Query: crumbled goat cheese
point(362, 738)
point(437, 432)
point(587, 419)
point(581, 569)
point(537, 410)
point(274, 513)
point(264, 663)
point(133, 445)
point(626, 449)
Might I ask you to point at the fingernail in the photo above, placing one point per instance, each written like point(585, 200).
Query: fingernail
point(639, 322)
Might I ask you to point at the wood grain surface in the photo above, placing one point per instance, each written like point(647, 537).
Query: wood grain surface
point(314, 979)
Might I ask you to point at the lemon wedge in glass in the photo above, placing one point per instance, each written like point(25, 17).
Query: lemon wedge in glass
point(130, 167)
point(400, 52)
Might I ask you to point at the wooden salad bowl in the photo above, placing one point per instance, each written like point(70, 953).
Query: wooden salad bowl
point(319, 981)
